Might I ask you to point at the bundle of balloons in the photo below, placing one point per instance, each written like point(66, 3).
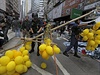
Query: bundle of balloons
point(15, 62)
point(48, 49)
point(92, 36)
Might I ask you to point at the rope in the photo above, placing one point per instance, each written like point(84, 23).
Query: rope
point(55, 64)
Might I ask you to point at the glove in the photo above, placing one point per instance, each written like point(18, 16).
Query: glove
point(93, 22)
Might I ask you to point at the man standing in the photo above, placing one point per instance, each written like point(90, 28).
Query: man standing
point(17, 27)
point(33, 31)
point(6, 27)
point(26, 27)
point(74, 37)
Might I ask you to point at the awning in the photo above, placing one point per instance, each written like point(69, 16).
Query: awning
point(64, 18)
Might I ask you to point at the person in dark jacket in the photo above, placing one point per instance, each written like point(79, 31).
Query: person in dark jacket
point(74, 38)
point(1, 38)
point(17, 26)
point(6, 27)
point(35, 29)
point(26, 27)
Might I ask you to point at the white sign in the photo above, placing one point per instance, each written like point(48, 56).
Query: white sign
point(92, 5)
point(57, 11)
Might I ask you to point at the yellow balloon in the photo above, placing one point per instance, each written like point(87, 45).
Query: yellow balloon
point(10, 72)
point(42, 47)
point(98, 32)
point(92, 48)
point(11, 66)
point(56, 49)
point(19, 60)
point(82, 34)
point(16, 73)
point(25, 68)
point(28, 47)
point(19, 68)
point(26, 58)
point(90, 35)
point(49, 50)
point(5, 74)
point(2, 70)
point(93, 31)
point(95, 46)
point(97, 24)
point(86, 31)
point(22, 49)
point(92, 42)
point(85, 38)
point(4, 60)
point(88, 47)
point(45, 55)
point(95, 27)
point(28, 43)
point(28, 64)
point(17, 53)
point(48, 42)
point(43, 65)
point(97, 41)
point(97, 37)
point(25, 52)
point(40, 52)
point(0, 60)
point(9, 53)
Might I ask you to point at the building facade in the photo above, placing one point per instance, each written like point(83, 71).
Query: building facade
point(61, 9)
point(35, 6)
point(3, 5)
point(10, 6)
point(41, 9)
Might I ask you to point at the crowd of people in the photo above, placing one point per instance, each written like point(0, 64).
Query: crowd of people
point(31, 28)
point(28, 28)
point(5, 24)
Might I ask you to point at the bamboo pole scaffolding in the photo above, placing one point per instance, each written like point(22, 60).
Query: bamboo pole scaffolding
point(1, 51)
point(62, 25)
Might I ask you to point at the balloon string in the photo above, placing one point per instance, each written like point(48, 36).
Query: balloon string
point(56, 64)
point(54, 57)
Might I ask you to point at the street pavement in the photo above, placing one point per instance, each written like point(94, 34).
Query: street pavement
point(66, 65)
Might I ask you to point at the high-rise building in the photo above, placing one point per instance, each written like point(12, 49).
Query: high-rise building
point(26, 7)
point(3, 5)
point(38, 7)
point(41, 9)
point(10, 6)
point(35, 6)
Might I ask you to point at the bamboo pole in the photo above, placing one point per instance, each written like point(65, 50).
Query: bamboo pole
point(64, 24)
point(11, 47)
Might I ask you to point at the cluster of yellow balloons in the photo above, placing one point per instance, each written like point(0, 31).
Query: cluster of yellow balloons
point(47, 49)
point(92, 36)
point(15, 62)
